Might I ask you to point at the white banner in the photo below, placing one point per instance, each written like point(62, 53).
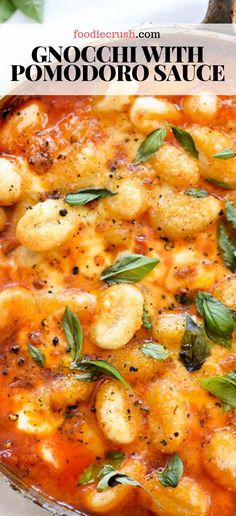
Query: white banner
point(164, 60)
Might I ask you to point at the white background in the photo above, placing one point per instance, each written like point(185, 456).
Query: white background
point(82, 14)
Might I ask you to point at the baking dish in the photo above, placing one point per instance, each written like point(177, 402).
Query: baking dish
point(14, 482)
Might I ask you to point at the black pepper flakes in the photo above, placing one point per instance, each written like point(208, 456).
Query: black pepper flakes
point(55, 341)
point(63, 212)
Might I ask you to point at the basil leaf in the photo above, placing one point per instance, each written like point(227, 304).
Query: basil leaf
point(225, 154)
point(227, 247)
point(154, 350)
point(32, 8)
point(86, 195)
point(97, 368)
point(194, 346)
point(6, 10)
point(129, 269)
point(197, 192)
point(89, 474)
point(223, 387)
point(150, 145)
point(147, 323)
point(218, 319)
point(115, 455)
point(73, 332)
point(37, 355)
point(113, 478)
point(113, 460)
point(186, 140)
point(221, 184)
point(231, 213)
point(173, 472)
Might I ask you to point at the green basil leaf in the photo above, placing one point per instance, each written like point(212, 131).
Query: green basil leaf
point(115, 456)
point(113, 460)
point(89, 474)
point(197, 192)
point(98, 368)
point(107, 468)
point(88, 376)
point(218, 319)
point(73, 332)
point(186, 140)
point(194, 346)
point(154, 350)
point(131, 268)
point(113, 478)
point(225, 154)
point(150, 145)
point(86, 195)
point(6, 10)
point(173, 472)
point(147, 323)
point(223, 387)
point(32, 8)
point(221, 184)
point(231, 213)
point(37, 355)
point(227, 247)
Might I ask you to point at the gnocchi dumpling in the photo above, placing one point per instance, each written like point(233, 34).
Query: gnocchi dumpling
point(200, 108)
point(118, 317)
point(47, 225)
point(135, 365)
point(167, 416)
point(10, 182)
point(225, 291)
point(175, 167)
point(149, 113)
point(219, 456)
point(169, 330)
point(117, 416)
point(129, 203)
point(113, 103)
point(113, 498)
point(17, 306)
point(208, 143)
point(187, 499)
point(178, 215)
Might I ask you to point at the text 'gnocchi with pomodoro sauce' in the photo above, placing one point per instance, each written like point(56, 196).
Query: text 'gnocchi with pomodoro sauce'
point(118, 302)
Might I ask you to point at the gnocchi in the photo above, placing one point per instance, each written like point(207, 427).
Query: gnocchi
point(129, 203)
point(177, 215)
point(209, 142)
point(167, 418)
point(10, 182)
point(187, 499)
point(175, 167)
point(201, 108)
point(118, 318)
point(47, 225)
point(149, 113)
point(219, 456)
point(113, 498)
point(117, 416)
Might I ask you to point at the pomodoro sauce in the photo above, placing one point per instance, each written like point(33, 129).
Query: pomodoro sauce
point(52, 254)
